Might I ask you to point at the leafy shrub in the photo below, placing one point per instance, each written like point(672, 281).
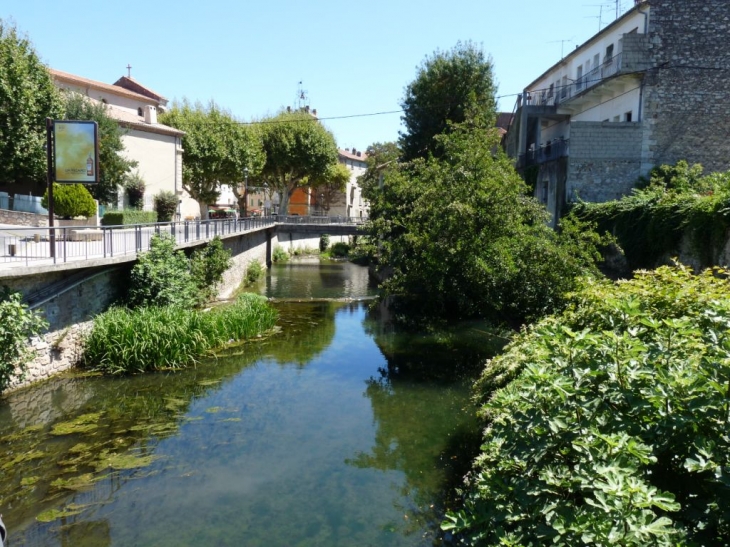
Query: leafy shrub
point(17, 324)
point(162, 276)
point(340, 250)
point(279, 254)
point(615, 428)
point(254, 272)
point(207, 266)
point(71, 201)
point(324, 242)
point(135, 187)
point(676, 201)
point(126, 217)
point(165, 205)
point(154, 338)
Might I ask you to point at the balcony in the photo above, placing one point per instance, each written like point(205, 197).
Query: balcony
point(554, 97)
point(550, 151)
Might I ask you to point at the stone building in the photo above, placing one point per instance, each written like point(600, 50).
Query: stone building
point(350, 202)
point(651, 88)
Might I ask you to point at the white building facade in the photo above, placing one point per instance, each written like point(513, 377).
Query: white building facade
point(156, 147)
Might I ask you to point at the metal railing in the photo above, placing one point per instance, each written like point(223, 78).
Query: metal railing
point(543, 154)
point(555, 96)
point(25, 246)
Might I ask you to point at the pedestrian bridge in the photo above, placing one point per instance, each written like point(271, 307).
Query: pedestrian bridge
point(51, 249)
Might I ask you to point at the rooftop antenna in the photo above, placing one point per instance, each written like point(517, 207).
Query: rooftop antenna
point(562, 44)
point(302, 100)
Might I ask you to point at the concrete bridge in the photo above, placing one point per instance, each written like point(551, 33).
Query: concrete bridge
point(88, 266)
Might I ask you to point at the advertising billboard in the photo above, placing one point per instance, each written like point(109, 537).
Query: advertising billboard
point(76, 157)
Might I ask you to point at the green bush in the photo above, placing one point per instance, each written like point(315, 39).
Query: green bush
point(340, 250)
point(162, 277)
point(324, 242)
point(615, 429)
point(675, 202)
point(165, 205)
point(207, 266)
point(17, 324)
point(154, 338)
point(71, 201)
point(254, 272)
point(279, 254)
point(135, 187)
point(126, 217)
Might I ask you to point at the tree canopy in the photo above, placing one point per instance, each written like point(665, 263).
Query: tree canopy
point(114, 167)
point(299, 149)
point(217, 148)
point(450, 87)
point(461, 238)
point(28, 97)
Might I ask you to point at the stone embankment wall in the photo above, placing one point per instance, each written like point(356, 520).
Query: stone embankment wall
point(30, 220)
point(55, 352)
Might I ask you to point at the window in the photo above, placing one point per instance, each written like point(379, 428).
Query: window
point(628, 116)
point(609, 54)
point(579, 78)
point(596, 60)
point(551, 91)
point(139, 111)
point(617, 118)
point(564, 91)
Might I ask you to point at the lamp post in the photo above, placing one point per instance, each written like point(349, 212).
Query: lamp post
point(245, 192)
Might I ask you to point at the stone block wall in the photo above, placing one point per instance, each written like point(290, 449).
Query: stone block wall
point(687, 95)
point(17, 218)
point(605, 160)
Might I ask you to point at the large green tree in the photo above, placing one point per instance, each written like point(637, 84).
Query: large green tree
point(299, 149)
point(460, 237)
point(450, 87)
point(331, 186)
point(217, 149)
point(380, 159)
point(27, 98)
point(114, 167)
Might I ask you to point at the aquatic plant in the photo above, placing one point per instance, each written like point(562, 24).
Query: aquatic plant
point(279, 254)
point(169, 337)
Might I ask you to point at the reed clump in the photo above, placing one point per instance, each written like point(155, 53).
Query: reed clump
point(125, 341)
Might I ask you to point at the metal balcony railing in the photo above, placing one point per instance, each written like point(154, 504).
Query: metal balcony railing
point(543, 154)
point(561, 94)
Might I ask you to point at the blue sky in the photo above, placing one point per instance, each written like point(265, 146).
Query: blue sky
point(352, 58)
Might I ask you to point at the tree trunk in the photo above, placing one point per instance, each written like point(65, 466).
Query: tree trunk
point(203, 209)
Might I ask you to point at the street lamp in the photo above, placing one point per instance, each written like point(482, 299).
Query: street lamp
point(245, 192)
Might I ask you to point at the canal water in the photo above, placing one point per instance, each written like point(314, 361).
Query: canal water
point(337, 430)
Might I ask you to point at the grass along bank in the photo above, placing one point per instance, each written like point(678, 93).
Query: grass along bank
point(155, 338)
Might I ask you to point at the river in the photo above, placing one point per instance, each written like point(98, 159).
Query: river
point(337, 430)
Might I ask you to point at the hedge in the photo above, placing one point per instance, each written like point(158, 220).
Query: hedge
point(119, 218)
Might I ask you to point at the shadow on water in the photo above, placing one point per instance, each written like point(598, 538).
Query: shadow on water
point(337, 430)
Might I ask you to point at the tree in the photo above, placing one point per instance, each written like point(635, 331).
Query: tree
point(28, 97)
point(380, 158)
point(217, 148)
point(332, 184)
point(462, 238)
point(450, 87)
point(114, 167)
point(71, 201)
point(298, 149)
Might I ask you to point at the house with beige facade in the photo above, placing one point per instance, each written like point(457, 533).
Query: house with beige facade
point(350, 202)
point(156, 147)
point(651, 88)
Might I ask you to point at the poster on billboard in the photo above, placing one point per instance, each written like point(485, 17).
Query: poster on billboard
point(76, 151)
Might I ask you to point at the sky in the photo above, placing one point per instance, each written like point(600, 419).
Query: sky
point(353, 60)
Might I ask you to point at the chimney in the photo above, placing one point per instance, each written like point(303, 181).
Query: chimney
point(359, 154)
point(314, 112)
point(306, 109)
point(150, 114)
point(354, 151)
point(288, 108)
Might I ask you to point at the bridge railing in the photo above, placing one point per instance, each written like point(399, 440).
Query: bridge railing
point(20, 245)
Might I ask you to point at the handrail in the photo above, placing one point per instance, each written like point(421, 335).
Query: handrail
point(26, 245)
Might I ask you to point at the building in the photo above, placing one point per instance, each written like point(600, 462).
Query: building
point(651, 88)
point(156, 147)
point(347, 203)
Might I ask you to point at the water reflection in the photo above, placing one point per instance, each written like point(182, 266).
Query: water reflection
point(321, 434)
point(310, 278)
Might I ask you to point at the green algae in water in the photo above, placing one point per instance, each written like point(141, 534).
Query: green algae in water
point(78, 483)
point(55, 514)
point(119, 462)
point(28, 481)
point(25, 457)
point(214, 410)
point(83, 424)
